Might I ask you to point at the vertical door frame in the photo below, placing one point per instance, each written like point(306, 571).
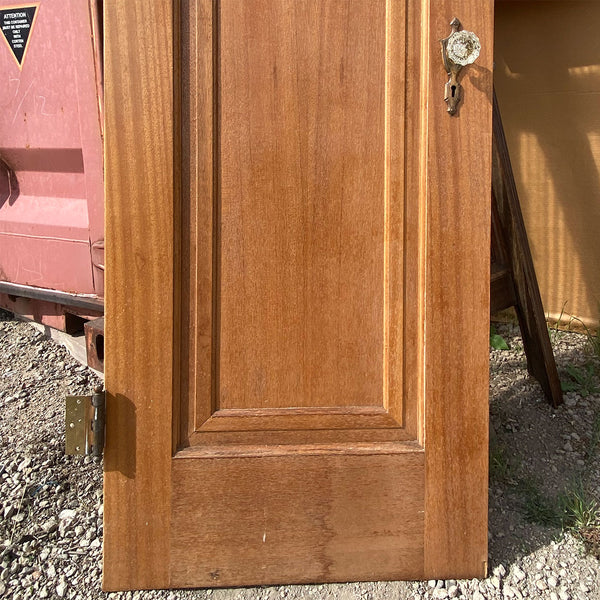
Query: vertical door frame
point(457, 265)
point(142, 208)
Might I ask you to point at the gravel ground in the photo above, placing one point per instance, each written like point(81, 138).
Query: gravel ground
point(544, 479)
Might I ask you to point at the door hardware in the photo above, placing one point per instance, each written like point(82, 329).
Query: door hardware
point(84, 424)
point(459, 49)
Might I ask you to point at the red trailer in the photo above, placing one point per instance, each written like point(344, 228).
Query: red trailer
point(51, 163)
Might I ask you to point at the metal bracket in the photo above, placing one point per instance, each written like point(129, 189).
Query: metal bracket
point(85, 418)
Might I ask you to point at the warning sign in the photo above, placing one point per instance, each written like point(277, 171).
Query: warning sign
point(17, 23)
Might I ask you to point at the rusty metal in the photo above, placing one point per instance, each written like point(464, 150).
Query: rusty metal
point(94, 343)
point(86, 302)
point(98, 254)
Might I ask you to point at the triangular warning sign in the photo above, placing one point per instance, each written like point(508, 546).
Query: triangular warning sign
point(17, 23)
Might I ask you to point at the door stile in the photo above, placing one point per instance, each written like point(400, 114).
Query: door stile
point(457, 302)
point(140, 208)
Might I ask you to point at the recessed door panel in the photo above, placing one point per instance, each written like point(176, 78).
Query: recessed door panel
point(303, 203)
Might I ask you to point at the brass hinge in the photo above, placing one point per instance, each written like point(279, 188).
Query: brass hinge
point(84, 424)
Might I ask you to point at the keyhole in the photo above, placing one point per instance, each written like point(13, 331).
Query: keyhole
point(453, 90)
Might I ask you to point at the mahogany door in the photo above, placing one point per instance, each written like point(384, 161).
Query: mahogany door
point(297, 293)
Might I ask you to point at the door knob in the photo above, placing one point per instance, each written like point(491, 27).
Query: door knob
point(459, 49)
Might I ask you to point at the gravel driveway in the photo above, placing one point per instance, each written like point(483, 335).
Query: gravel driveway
point(544, 480)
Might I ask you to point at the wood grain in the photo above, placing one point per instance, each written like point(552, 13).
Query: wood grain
point(299, 436)
point(302, 167)
point(350, 417)
point(284, 323)
point(310, 518)
point(268, 450)
point(415, 135)
point(139, 290)
point(457, 306)
point(523, 283)
point(199, 185)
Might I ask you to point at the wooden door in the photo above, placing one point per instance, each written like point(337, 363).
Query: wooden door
point(297, 293)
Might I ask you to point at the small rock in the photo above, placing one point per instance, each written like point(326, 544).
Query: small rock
point(61, 588)
point(564, 595)
point(553, 596)
point(477, 595)
point(500, 571)
point(552, 581)
point(65, 518)
point(51, 571)
point(508, 591)
point(518, 574)
point(9, 511)
point(23, 464)
point(453, 591)
point(541, 585)
point(495, 581)
point(440, 593)
point(432, 583)
point(50, 525)
point(583, 587)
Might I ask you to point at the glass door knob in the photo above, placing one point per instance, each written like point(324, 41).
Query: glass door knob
point(459, 49)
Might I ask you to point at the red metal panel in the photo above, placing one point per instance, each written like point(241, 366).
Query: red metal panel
point(51, 174)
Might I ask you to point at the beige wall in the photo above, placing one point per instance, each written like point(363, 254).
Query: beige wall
point(547, 80)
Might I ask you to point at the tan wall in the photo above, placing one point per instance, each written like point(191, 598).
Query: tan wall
point(547, 79)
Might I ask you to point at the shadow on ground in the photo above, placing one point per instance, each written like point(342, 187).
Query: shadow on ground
point(539, 455)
